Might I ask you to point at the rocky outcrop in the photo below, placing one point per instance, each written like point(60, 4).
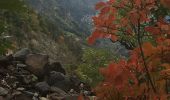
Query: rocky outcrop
point(27, 76)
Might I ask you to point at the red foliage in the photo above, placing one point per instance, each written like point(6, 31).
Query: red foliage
point(153, 30)
point(105, 28)
point(80, 97)
point(166, 3)
point(139, 76)
point(118, 75)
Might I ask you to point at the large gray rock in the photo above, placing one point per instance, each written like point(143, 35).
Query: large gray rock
point(57, 90)
point(21, 55)
point(36, 63)
point(42, 87)
point(75, 80)
point(55, 77)
point(55, 96)
point(69, 97)
point(3, 91)
point(65, 84)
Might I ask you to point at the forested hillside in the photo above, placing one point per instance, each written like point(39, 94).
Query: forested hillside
point(63, 25)
point(72, 16)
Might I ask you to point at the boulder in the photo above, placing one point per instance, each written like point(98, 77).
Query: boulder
point(36, 63)
point(28, 79)
point(3, 91)
point(42, 87)
point(75, 80)
point(55, 77)
point(55, 96)
point(65, 84)
point(20, 89)
point(43, 98)
point(21, 54)
point(21, 97)
point(56, 66)
point(16, 93)
point(6, 60)
point(21, 65)
point(57, 90)
point(69, 97)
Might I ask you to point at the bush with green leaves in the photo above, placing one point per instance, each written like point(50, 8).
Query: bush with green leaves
point(7, 6)
point(92, 59)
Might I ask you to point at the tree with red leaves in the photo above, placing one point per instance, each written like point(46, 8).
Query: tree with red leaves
point(144, 76)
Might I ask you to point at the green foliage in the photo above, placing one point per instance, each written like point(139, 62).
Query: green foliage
point(12, 5)
point(93, 59)
point(4, 43)
point(6, 9)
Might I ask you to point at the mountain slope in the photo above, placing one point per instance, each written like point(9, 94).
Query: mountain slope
point(54, 27)
point(66, 15)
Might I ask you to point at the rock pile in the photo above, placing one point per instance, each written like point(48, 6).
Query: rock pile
point(30, 76)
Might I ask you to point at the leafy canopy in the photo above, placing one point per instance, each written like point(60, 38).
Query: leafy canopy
point(143, 76)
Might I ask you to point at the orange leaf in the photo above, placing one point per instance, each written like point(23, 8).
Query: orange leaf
point(105, 10)
point(133, 17)
point(148, 48)
point(166, 3)
point(138, 2)
point(113, 37)
point(153, 30)
point(80, 97)
point(91, 40)
point(100, 5)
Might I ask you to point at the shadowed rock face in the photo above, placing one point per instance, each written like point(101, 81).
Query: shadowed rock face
point(5, 60)
point(56, 66)
point(22, 54)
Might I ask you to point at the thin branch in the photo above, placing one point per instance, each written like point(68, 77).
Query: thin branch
point(143, 57)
